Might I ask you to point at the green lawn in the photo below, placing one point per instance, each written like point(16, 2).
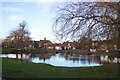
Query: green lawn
point(13, 50)
point(15, 68)
point(7, 50)
point(0, 50)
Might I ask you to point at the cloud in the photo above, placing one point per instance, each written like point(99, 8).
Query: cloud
point(12, 9)
point(15, 17)
point(14, 12)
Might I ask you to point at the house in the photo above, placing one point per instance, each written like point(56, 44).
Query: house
point(58, 47)
point(45, 43)
point(103, 45)
point(65, 46)
point(69, 45)
point(34, 44)
point(55, 46)
point(51, 46)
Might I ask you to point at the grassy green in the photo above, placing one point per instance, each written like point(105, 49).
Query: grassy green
point(16, 68)
point(0, 50)
point(7, 50)
point(43, 51)
point(0, 67)
point(12, 50)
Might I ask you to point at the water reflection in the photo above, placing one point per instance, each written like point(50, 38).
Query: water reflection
point(67, 60)
point(109, 59)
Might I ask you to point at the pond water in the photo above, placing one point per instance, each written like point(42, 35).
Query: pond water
point(64, 60)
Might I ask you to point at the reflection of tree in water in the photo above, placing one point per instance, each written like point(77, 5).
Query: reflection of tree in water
point(19, 56)
point(29, 57)
point(61, 54)
point(74, 57)
point(67, 56)
point(110, 59)
point(45, 56)
point(82, 58)
point(24, 56)
point(97, 59)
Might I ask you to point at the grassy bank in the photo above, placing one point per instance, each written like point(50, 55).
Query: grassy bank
point(13, 50)
point(14, 68)
point(0, 50)
point(7, 50)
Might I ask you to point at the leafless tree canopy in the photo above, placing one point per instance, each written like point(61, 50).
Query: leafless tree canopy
point(94, 20)
point(19, 37)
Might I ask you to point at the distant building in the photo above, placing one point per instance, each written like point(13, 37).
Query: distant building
point(55, 46)
point(44, 43)
point(69, 45)
point(47, 44)
point(103, 45)
point(34, 44)
point(65, 46)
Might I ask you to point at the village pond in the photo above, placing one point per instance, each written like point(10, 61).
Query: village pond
point(65, 59)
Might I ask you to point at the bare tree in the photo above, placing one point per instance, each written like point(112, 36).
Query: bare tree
point(19, 38)
point(7, 42)
point(94, 20)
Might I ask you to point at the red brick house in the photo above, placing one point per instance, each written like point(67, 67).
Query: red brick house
point(47, 44)
point(44, 43)
point(55, 46)
point(65, 46)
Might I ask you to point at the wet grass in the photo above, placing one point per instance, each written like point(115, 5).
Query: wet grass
point(15, 68)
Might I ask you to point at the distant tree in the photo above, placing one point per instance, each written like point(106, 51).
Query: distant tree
point(1, 40)
point(7, 42)
point(19, 38)
point(84, 43)
point(93, 20)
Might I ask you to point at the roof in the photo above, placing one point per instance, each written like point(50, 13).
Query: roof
point(71, 43)
point(45, 41)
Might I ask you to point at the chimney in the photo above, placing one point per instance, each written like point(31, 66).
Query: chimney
point(44, 38)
